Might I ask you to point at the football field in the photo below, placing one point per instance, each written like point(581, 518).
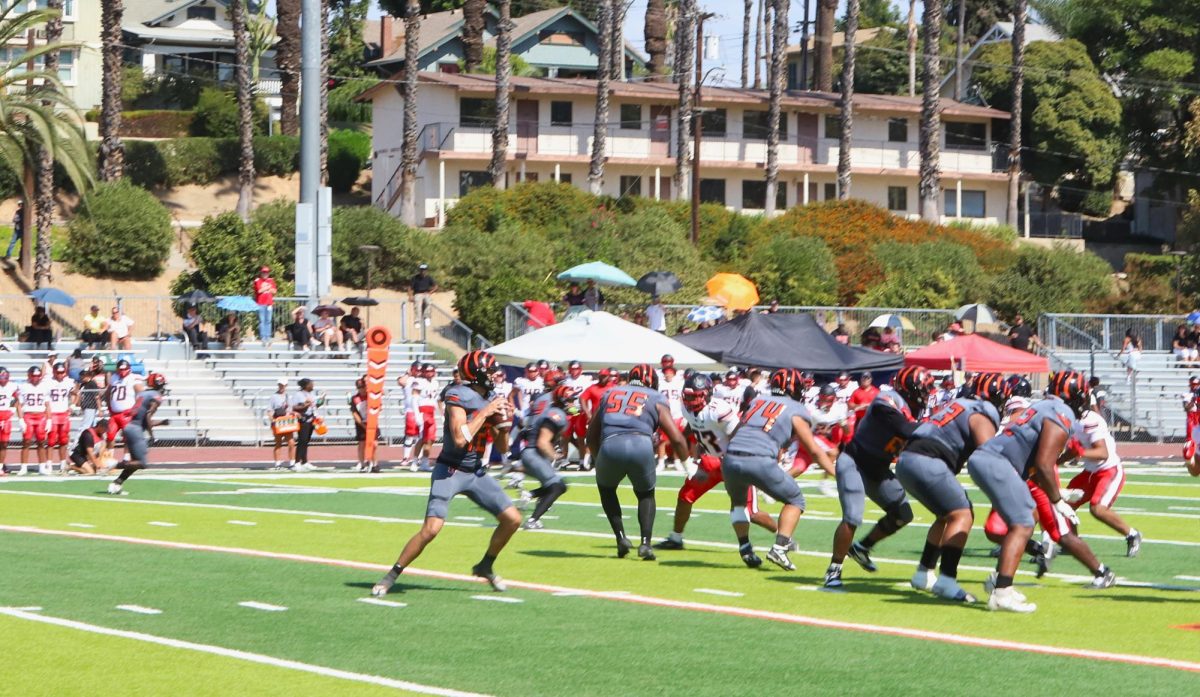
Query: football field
point(211, 582)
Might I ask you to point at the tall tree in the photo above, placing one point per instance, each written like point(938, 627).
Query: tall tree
point(408, 148)
point(44, 185)
point(617, 59)
point(930, 185)
point(823, 65)
point(1020, 16)
point(503, 78)
point(287, 58)
point(759, 30)
point(685, 59)
point(655, 31)
point(747, 19)
point(604, 16)
point(843, 172)
point(474, 23)
point(959, 39)
point(776, 77)
point(346, 50)
point(877, 13)
point(912, 48)
point(245, 101)
point(112, 152)
point(979, 15)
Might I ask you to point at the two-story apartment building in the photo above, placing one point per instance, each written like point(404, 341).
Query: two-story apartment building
point(80, 65)
point(551, 134)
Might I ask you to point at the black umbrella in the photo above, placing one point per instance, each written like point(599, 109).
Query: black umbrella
point(196, 297)
point(333, 310)
point(659, 283)
point(359, 301)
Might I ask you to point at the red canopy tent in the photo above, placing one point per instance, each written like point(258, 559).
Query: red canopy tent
point(977, 354)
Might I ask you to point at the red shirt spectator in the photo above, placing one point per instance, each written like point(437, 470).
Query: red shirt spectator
point(862, 397)
point(264, 287)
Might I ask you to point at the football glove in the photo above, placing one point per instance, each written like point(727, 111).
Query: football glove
point(1065, 510)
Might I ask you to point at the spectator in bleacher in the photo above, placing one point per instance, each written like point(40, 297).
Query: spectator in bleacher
point(39, 330)
point(352, 328)
point(889, 341)
point(120, 327)
point(95, 329)
point(840, 334)
point(89, 393)
point(76, 364)
point(193, 328)
point(279, 407)
point(593, 299)
point(299, 332)
point(264, 297)
point(229, 331)
point(953, 330)
point(1022, 336)
point(49, 361)
point(573, 298)
point(420, 293)
point(99, 373)
point(1183, 345)
point(1131, 353)
point(872, 339)
point(326, 332)
point(18, 224)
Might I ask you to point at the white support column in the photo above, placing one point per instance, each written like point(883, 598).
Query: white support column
point(958, 199)
point(658, 183)
point(521, 176)
point(441, 215)
point(804, 196)
point(557, 172)
point(1027, 210)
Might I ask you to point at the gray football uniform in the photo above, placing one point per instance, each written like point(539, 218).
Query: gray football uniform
point(541, 469)
point(936, 452)
point(864, 468)
point(628, 420)
point(460, 470)
point(751, 459)
point(134, 432)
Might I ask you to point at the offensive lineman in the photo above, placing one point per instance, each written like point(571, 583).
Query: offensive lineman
point(139, 429)
point(538, 455)
point(460, 469)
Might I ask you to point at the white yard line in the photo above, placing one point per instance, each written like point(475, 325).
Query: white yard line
point(319, 521)
point(714, 591)
point(241, 522)
point(162, 524)
point(381, 602)
point(265, 607)
point(140, 609)
point(497, 598)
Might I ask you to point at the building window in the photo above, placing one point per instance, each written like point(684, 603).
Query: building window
point(831, 192)
point(562, 113)
point(564, 178)
point(897, 130)
point(966, 136)
point(469, 181)
point(714, 122)
point(712, 191)
point(631, 186)
point(756, 125)
point(475, 112)
point(974, 204)
point(66, 67)
point(833, 126)
point(631, 117)
point(898, 198)
point(754, 195)
point(560, 38)
point(209, 13)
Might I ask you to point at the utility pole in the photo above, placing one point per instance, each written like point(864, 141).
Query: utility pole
point(307, 242)
point(697, 126)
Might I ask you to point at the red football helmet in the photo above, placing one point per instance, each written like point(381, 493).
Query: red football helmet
point(34, 375)
point(574, 369)
point(731, 379)
point(827, 397)
point(697, 392)
point(551, 379)
point(4, 376)
point(60, 370)
point(123, 368)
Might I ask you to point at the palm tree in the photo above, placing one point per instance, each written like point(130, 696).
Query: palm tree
point(617, 50)
point(503, 77)
point(287, 58)
point(758, 44)
point(826, 13)
point(112, 152)
point(245, 101)
point(474, 23)
point(747, 18)
point(44, 185)
point(931, 126)
point(655, 31)
point(912, 48)
point(685, 57)
point(408, 149)
point(958, 50)
point(775, 77)
point(843, 174)
point(1020, 16)
point(604, 21)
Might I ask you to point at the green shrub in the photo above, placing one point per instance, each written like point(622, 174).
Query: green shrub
point(134, 84)
point(278, 219)
point(1050, 280)
point(1004, 233)
point(156, 124)
point(10, 183)
point(217, 114)
point(123, 232)
point(343, 106)
point(401, 248)
point(145, 164)
point(930, 274)
point(480, 210)
point(276, 156)
point(547, 205)
point(795, 271)
point(348, 155)
point(227, 254)
point(191, 161)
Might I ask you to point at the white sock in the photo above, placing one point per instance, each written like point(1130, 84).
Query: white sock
point(587, 459)
point(676, 537)
point(408, 451)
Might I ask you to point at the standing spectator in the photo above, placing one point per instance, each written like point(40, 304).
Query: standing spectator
point(593, 299)
point(279, 408)
point(1131, 353)
point(99, 374)
point(18, 223)
point(862, 397)
point(95, 329)
point(326, 332)
point(299, 332)
point(840, 334)
point(953, 330)
point(871, 339)
point(352, 328)
point(656, 315)
point(1022, 336)
point(76, 364)
point(229, 331)
point(420, 294)
point(119, 326)
point(889, 341)
point(193, 328)
point(264, 296)
point(89, 392)
point(305, 404)
point(573, 298)
point(40, 331)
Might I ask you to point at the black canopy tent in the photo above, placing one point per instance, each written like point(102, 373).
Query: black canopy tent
point(785, 340)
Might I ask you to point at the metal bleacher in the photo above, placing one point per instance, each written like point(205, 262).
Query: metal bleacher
point(1147, 405)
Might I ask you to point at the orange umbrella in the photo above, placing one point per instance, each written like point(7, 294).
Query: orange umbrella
point(733, 291)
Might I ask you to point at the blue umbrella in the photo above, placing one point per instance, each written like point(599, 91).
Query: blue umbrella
point(1194, 317)
point(707, 313)
point(598, 271)
point(238, 303)
point(52, 296)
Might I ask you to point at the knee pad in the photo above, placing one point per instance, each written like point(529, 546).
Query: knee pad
point(738, 514)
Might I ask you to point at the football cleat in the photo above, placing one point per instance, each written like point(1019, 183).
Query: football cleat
point(623, 546)
point(669, 544)
point(1133, 543)
point(115, 489)
point(488, 575)
point(947, 587)
point(533, 524)
point(862, 555)
point(989, 583)
point(1107, 579)
point(833, 577)
point(646, 552)
point(1009, 600)
point(779, 557)
point(923, 579)
point(24, 471)
point(381, 589)
point(1189, 450)
point(749, 558)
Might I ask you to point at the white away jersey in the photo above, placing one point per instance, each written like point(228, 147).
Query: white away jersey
point(526, 390)
point(60, 395)
point(673, 391)
point(427, 392)
point(843, 393)
point(713, 426)
point(123, 394)
point(730, 395)
point(34, 398)
point(1014, 405)
point(8, 399)
point(810, 397)
point(825, 420)
point(1090, 429)
point(579, 384)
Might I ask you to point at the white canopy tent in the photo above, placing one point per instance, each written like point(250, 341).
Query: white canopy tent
point(598, 340)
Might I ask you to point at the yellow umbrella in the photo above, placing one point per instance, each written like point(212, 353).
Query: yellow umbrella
point(733, 291)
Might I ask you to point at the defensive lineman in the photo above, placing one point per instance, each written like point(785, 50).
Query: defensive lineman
point(139, 429)
point(539, 454)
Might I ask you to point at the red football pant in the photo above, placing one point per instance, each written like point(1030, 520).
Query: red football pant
point(428, 424)
point(1048, 516)
point(695, 487)
point(117, 423)
point(35, 428)
point(60, 429)
point(1099, 488)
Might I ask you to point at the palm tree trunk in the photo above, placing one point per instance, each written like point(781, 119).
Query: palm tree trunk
point(287, 58)
point(1020, 16)
point(474, 23)
point(912, 48)
point(245, 101)
point(931, 125)
point(826, 15)
point(849, 55)
point(655, 32)
point(408, 149)
point(112, 152)
point(324, 92)
point(747, 18)
point(44, 184)
point(958, 51)
point(758, 44)
point(685, 59)
point(604, 22)
point(617, 59)
point(779, 17)
point(503, 78)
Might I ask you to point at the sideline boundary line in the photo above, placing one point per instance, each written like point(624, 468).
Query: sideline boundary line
point(903, 632)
